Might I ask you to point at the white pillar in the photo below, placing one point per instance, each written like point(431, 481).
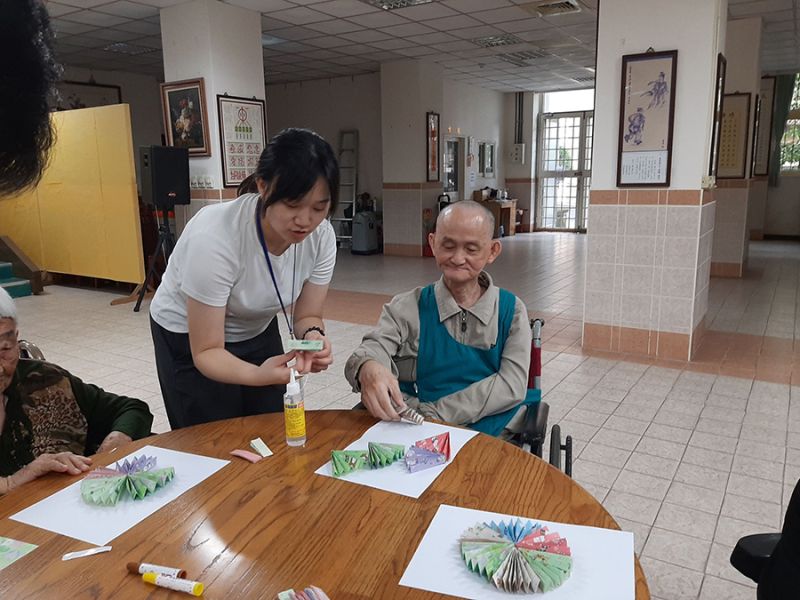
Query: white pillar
point(731, 231)
point(649, 249)
point(222, 44)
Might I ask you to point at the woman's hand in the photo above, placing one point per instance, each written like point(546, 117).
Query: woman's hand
point(114, 440)
point(314, 362)
point(63, 462)
point(275, 370)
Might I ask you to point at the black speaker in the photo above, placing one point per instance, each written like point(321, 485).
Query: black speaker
point(165, 175)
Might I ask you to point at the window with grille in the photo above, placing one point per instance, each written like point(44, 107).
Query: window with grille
point(790, 142)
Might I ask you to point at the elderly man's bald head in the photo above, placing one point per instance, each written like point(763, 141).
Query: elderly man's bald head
point(468, 209)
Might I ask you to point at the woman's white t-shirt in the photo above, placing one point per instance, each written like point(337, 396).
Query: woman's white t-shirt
point(219, 261)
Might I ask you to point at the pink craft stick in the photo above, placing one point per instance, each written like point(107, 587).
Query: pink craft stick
point(245, 454)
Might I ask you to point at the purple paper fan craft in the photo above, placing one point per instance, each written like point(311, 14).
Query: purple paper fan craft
point(418, 459)
point(138, 465)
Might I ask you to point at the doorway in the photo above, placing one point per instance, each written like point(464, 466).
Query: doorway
point(565, 170)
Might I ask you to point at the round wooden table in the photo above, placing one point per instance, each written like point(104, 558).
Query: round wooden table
point(252, 530)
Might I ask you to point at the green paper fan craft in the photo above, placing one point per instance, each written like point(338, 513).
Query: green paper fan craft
point(381, 455)
point(517, 556)
point(137, 479)
point(347, 461)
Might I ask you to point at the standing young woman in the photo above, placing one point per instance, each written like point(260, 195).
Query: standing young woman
point(236, 269)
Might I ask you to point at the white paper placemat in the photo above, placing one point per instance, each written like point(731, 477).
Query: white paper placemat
point(65, 512)
point(602, 560)
point(396, 478)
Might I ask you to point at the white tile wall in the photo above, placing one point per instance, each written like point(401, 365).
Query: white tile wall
point(649, 259)
point(731, 234)
point(601, 248)
point(603, 219)
point(404, 209)
point(640, 220)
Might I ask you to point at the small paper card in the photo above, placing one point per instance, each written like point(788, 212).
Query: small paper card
point(13, 550)
point(395, 477)
point(310, 345)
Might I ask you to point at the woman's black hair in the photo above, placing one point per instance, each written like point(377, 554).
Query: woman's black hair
point(248, 185)
point(292, 163)
point(28, 73)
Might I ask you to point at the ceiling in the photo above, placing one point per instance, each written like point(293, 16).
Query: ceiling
point(317, 39)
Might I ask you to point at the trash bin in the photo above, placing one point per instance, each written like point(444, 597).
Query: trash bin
point(365, 233)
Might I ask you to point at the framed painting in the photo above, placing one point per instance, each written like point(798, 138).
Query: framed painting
point(185, 116)
point(77, 94)
point(243, 136)
point(432, 146)
point(732, 161)
point(647, 114)
point(719, 92)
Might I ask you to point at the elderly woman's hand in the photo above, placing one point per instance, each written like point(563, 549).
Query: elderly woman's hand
point(63, 462)
point(114, 440)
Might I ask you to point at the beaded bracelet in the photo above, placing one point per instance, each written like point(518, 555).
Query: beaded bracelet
point(313, 328)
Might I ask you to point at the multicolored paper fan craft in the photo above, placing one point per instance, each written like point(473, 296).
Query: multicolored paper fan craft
point(517, 556)
point(427, 453)
point(137, 479)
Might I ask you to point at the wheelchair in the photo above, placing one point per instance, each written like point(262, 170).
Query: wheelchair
point(29, 350)
point(534, 430)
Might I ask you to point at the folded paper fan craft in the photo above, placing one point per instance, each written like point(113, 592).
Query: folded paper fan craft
point(137, 478)
point(517, 556)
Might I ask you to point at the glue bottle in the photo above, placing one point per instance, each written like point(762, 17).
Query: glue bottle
point(294, 413)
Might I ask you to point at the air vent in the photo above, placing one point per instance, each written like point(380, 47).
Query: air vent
point(521, 59)
point(493, 41)
point(129, 49)
point(551, 8)
point(583, 79)
point(395, 4)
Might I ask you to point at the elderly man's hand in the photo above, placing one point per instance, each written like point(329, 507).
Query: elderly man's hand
point(114, 440)
point(380, 391)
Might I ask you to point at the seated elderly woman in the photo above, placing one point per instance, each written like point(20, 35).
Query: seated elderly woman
point(50, 419)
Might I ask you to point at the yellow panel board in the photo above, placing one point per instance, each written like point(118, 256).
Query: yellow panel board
point(88, 213)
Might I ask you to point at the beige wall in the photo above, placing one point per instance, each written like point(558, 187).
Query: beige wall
point(476, 112)
point(409, 89)
point(141, 92)
point(329, 106)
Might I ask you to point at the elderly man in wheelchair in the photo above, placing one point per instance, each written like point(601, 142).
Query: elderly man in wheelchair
point(458, 350)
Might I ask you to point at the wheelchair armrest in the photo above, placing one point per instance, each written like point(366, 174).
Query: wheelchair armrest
point(752, 552)
point(534, 428)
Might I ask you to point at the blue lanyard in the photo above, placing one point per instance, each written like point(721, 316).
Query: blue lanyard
point(271, 271)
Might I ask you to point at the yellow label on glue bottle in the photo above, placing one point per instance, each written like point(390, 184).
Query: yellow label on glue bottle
point(294, 413)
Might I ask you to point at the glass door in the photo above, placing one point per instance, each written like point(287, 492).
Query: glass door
point(565, 170)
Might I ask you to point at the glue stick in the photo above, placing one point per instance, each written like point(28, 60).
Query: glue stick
point(294, 412)
point(195, 588)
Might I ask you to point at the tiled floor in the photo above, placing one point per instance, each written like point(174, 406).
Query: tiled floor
point(689, 461)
